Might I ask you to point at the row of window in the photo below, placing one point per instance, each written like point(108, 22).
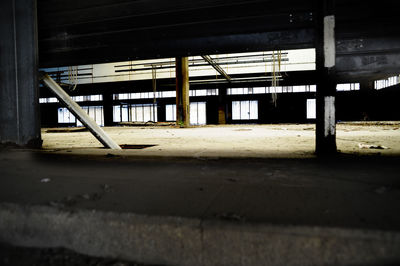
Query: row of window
point(95, 112)
point(213, 92)
point(198, 115)
point(84, 98)
point(135, 113)
point(241, 110)
point(384, 83)
point(277, 89)
point(162, 94)
point(289, 89)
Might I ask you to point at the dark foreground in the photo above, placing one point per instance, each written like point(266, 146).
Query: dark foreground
point(342, 210)
point(19, 256)
point(346, 191)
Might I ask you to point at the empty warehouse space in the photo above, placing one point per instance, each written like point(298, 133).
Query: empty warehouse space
point(267, 88)
point(199, 132)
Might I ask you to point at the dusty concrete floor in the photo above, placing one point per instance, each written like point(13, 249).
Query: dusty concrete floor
point(249, 141)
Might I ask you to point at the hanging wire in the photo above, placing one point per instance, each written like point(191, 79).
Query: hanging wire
point(154, 83)
point(274, 80)
point(73, 77)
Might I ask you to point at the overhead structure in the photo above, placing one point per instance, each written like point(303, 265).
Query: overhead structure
point(215, 65)
point(73, 33)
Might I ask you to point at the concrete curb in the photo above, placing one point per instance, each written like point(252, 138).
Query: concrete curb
point(183, 241)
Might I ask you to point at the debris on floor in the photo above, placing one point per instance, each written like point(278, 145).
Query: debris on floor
point(368, 146)
point(45, 180)
point(66, 130)
point(243, 129)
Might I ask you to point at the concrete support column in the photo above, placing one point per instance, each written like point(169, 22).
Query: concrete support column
point(222, 106)
point(367, 99)
point(19, 105)
point(182, 92)
point(326, 84)
point(108, 109)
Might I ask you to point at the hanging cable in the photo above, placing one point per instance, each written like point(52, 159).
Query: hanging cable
point(72, 77)
point(274, 81)
point(154, 83)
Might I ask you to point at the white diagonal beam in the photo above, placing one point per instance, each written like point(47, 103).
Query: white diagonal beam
point(74, 108)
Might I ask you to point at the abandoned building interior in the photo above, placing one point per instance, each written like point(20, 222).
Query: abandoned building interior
point(200, 132)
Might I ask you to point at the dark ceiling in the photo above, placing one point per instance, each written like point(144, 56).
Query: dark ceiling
point(96, 31)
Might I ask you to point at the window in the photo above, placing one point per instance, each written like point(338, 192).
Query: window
point(65, 116)
point(135, 113)
point(348, 87)
point(124, 113)
point(244, 110)
point(48, 100)
point(170, 112)
point(116, 113)
point(384, 83)
point(198, 115)
point(311, 109)
point(95, 112)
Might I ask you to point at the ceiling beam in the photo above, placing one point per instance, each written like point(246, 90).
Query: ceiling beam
point(215, 65)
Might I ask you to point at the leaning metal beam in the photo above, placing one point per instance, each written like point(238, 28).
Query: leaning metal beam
point(216, 67)
point(74, 108)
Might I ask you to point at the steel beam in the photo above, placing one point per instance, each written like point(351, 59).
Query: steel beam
point(74, 108)
point(215, 65)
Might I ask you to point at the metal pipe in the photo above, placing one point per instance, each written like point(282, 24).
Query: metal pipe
point(74, 108)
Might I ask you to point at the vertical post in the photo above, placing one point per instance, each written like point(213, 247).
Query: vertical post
point(108, 109)
point(222, 106)
point(182, 92)
point(19, 104)
point(366, 104)
point(154, 83)
point(326, 84)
